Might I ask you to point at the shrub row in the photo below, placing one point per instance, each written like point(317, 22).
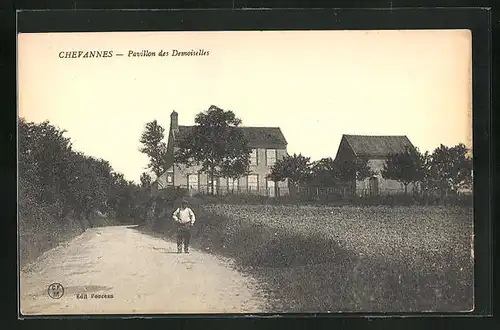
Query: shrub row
point(392, 200)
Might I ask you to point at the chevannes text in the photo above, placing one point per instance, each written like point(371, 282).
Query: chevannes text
point(131, 53)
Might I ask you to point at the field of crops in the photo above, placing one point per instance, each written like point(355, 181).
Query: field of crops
point(348, 258)
point(379, 231)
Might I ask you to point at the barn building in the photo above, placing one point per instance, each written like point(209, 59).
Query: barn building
point(376, 149)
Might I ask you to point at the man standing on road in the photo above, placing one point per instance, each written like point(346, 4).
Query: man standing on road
point(184, 218)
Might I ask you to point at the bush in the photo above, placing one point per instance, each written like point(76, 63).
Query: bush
point(61, 191)
point(39, 230)
point(391, 200)
point(410, 199)
point(335, 198)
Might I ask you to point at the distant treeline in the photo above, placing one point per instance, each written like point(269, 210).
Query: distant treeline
point(69, 184)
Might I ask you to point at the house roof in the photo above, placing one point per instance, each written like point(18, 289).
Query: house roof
point(377, 145)
point(256, 136)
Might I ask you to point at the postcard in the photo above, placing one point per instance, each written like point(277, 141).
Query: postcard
point(202, 172)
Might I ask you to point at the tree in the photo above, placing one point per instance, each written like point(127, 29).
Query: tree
point(323, 173)
point(350, 170)
point(295, 168)
point(406, 167)
point(43, 154)
point(45, 162)
point(89, 185)
point(145, 180)
point(428, 183)
point(451, 168)
point(64, 183)
point(154, 147)
point(217, 144)
point(124, 198)
point(65, 180)
point(328, 172)
point(143, 197)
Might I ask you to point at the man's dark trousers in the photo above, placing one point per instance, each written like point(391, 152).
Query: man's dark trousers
point(183, 237)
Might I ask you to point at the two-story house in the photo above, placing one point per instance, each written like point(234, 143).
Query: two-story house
point(267, 144)
point(376, 150)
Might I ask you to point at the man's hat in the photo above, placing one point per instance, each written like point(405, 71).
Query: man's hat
point(184, 201)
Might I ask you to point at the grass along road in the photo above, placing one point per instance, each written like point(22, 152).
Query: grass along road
point(143, 274)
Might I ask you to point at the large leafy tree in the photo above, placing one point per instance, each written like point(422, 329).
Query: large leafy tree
point(349, 170)
point(323, 173)
point(295, 168)
point(90, 184)
point(44, 154)
point(124, 198)
point(406, 167)
point(450, 168)
point(54, 177)
point(217, 144)
point(143, 196)
point(328, 172)
point(428, 183)
point(154, 147)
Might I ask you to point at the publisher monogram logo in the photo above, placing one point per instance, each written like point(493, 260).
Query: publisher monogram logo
point(55, 290)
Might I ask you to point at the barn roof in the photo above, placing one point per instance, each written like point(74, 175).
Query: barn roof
point(256, 136)
point(377, 145)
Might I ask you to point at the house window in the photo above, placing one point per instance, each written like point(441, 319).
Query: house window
point(253, 158)
point(209, 179)
point(169, 178)
point(193, 181)
point(209, 183)
point(270, 188)
point(232, 184)
point(270, 157)
point(253, 182)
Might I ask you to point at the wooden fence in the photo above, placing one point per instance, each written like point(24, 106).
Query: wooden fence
point(322, 194)
point(245, 190)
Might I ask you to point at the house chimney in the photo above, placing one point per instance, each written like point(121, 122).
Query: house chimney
point(174, 120)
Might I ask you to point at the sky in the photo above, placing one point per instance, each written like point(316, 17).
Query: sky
point(314, 85)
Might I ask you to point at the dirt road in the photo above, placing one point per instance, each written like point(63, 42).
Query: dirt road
point(118, 270)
